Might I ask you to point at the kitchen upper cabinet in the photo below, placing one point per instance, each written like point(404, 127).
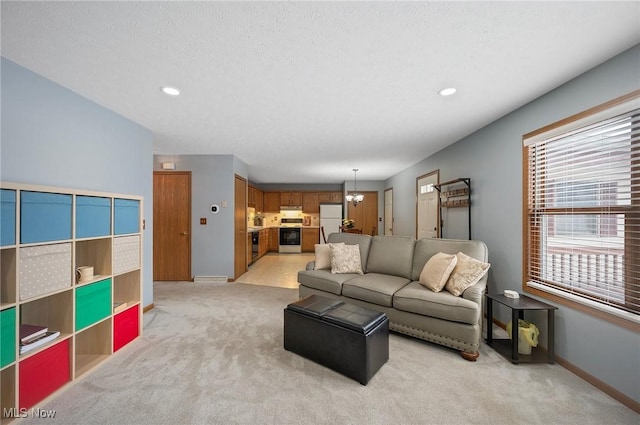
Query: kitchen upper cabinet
point(255, 198)
point(259, 200)
point(310, 203)
point(251, 197)
point(310, 237)
point(291, 199)
point(329, 197)
point(272, 202)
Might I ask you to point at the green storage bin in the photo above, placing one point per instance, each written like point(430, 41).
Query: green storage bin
point(93, 303)
point(7, 336)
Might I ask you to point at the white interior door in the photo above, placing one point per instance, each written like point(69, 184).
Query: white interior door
point(427, 208)
point(388, 212)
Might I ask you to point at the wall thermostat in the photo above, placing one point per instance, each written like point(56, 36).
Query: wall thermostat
point(215, 209)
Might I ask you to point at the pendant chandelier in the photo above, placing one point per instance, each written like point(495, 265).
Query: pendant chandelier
point(355, 197)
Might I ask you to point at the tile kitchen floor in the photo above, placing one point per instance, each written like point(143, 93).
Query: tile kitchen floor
point(275, 269)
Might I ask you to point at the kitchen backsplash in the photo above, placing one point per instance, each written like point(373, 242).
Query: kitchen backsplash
point(273, 219)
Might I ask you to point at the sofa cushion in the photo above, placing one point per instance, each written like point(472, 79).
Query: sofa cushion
point(415, 298)
point(323, 256)
point(374, 288)
point(468, 272)
point(345, 258)
point(324, 280)
point(428, 247)
point(391, 255)
point(437, 271)
point(363, 241)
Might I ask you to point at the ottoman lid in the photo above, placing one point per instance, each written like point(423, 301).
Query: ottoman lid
point(354, 317)
point(314, 305)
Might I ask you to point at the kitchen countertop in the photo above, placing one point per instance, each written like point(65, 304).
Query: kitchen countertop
point(251, 229)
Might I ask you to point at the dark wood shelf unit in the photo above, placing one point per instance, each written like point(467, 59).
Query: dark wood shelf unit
point(461, 198)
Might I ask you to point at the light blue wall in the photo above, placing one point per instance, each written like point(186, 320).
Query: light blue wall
point(492, 158)
point(212, 182)
point(54, 137)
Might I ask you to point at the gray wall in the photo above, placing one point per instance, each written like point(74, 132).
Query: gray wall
point(212, 182)
point(54, 137)
point(492, 158)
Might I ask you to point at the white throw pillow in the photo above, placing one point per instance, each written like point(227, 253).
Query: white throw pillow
point(468, 272)
point(323, 256)
point(345, 258)
point(437, 270)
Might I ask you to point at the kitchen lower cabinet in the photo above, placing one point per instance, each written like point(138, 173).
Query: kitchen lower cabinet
point(274, 239)
point(310, 237)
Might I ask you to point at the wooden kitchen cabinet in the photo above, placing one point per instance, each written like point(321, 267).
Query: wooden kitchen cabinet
point(251, 197)
point(310, 203)
point(329, 197)
point(310, 237)
point(255, 198)
point(263, 242)
point(272, 202)
point(274, 239)
point(291, 199)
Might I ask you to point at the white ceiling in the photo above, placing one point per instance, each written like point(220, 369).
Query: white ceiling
point(303, 92)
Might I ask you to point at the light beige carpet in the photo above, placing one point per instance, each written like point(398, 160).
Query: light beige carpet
point(212, 354)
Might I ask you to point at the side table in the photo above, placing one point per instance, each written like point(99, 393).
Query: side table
point(509, 348)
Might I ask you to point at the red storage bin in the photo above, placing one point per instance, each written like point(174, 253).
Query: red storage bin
point(44, 373)
point(126, 327)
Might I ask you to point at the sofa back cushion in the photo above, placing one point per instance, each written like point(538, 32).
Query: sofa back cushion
point(428, 247)
point(353, 239)
point(391, 255)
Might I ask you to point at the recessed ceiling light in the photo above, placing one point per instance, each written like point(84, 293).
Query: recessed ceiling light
point(171, 91)
point(447, 92)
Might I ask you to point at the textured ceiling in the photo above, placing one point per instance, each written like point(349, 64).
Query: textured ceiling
point(306, 91)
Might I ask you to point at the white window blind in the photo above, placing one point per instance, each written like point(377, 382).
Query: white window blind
point(582, 221)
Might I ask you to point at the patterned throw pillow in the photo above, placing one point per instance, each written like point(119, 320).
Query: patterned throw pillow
point(345, 259)
point(437, 271)
point(323, 256)
point(468, 272)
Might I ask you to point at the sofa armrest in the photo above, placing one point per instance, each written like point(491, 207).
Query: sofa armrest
point(476, 292)
point(310, 265)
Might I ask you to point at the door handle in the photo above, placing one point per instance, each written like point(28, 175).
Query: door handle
point(184, 233)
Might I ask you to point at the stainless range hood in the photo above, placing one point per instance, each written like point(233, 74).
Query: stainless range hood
point(290, 208)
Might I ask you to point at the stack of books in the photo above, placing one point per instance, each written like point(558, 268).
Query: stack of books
point(118, 306)
point(33, 336)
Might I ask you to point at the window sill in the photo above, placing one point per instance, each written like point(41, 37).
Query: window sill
point(604, 312)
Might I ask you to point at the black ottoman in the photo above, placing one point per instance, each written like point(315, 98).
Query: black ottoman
point(349, 339)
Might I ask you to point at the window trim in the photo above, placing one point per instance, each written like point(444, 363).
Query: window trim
point(619, 317)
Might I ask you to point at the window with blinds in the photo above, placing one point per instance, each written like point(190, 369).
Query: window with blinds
point(582, 209)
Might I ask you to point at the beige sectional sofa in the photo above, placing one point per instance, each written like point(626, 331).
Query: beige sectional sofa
point(391, 268)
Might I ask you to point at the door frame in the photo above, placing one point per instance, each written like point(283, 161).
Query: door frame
point(438, 223)
point(388, 220)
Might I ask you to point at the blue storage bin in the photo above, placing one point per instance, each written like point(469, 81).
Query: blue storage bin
point(126, 216)
point(93, 216)
point(44, 216)
point(7, 217)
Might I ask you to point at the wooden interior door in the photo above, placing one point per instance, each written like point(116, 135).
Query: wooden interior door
point(240, 227)
point(365, 214)
point(172, 225)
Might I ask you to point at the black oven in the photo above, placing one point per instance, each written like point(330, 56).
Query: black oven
point(290, 239)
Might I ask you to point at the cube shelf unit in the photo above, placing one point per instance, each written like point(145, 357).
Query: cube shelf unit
point(46, 233)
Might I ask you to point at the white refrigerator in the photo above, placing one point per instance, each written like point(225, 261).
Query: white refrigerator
point(330, 219)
